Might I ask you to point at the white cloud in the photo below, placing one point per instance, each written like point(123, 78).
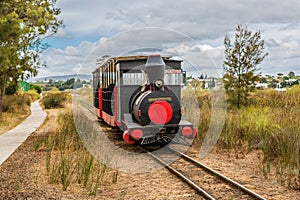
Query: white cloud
point(283, 57)
point(207, 22)
point(200, 19)
point(66, 61)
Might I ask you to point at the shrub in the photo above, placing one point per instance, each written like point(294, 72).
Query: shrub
point(14, 103)
point(37, 88)
point(54, 90)
point(33, 95)
point(55, 100)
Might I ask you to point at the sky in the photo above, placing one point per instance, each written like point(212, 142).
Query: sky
point(191, 30)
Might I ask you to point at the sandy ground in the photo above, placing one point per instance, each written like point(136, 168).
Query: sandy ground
point(245, 169)
point(23, 176)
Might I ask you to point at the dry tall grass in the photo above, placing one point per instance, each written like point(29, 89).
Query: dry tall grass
point(15, 109)
point(67, 160)
point(270, 123)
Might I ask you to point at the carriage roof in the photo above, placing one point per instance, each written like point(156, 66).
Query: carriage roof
point(133, 61)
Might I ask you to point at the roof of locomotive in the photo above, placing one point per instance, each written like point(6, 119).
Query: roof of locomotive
point(129, 58)
point(117, 60)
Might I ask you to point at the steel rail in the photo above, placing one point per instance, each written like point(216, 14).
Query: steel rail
point(87, 106)
point(204, 193)
point(213, 172)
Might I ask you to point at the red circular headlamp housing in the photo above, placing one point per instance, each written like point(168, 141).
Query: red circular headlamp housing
point(137, 134)
point(187, 131)
point(160, 112)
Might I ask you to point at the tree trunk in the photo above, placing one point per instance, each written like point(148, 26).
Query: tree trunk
point(1, 105)
point(238, 100)
point(3, 82)
point(239, 89)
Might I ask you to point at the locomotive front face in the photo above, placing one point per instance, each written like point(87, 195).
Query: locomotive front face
point(157, 105)
point(156, 108)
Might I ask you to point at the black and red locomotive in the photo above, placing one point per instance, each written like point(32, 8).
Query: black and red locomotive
point(141, 95)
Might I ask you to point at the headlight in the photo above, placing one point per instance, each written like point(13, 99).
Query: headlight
point(158, 83)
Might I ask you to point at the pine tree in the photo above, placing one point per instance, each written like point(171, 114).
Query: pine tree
point(240, 65)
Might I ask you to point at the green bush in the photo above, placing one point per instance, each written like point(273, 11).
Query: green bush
point(55, 100)
point(37, 88)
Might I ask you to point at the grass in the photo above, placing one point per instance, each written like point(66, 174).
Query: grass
point(86, 94)
point(16, 108)
point(67, 162)
point(270, 123)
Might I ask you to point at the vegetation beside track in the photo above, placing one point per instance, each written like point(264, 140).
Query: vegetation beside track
point(55, 99)
point(68, 163)
point(16, 108)
point(270, 122)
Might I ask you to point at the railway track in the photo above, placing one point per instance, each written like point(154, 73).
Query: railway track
point(88, 106)
point(208, 182)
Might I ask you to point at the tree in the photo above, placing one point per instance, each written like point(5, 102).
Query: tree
point(70, 83)
point(291, 74)
point(241, 60)
point(263, 80)
point(23, 26)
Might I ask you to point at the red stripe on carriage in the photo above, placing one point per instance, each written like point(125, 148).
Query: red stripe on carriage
point(100, 99)
point(116, 103)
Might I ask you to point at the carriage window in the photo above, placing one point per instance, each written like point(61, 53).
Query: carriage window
point(105, 74)
point(133, 78)
point(100, 77)
point(173, 77)
point(113, 74)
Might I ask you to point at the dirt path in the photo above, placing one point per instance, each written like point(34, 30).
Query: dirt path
point(10, 141)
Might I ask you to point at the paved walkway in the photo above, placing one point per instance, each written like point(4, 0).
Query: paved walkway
point(11, 140)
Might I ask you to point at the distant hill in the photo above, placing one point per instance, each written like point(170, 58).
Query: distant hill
point(86, 77)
